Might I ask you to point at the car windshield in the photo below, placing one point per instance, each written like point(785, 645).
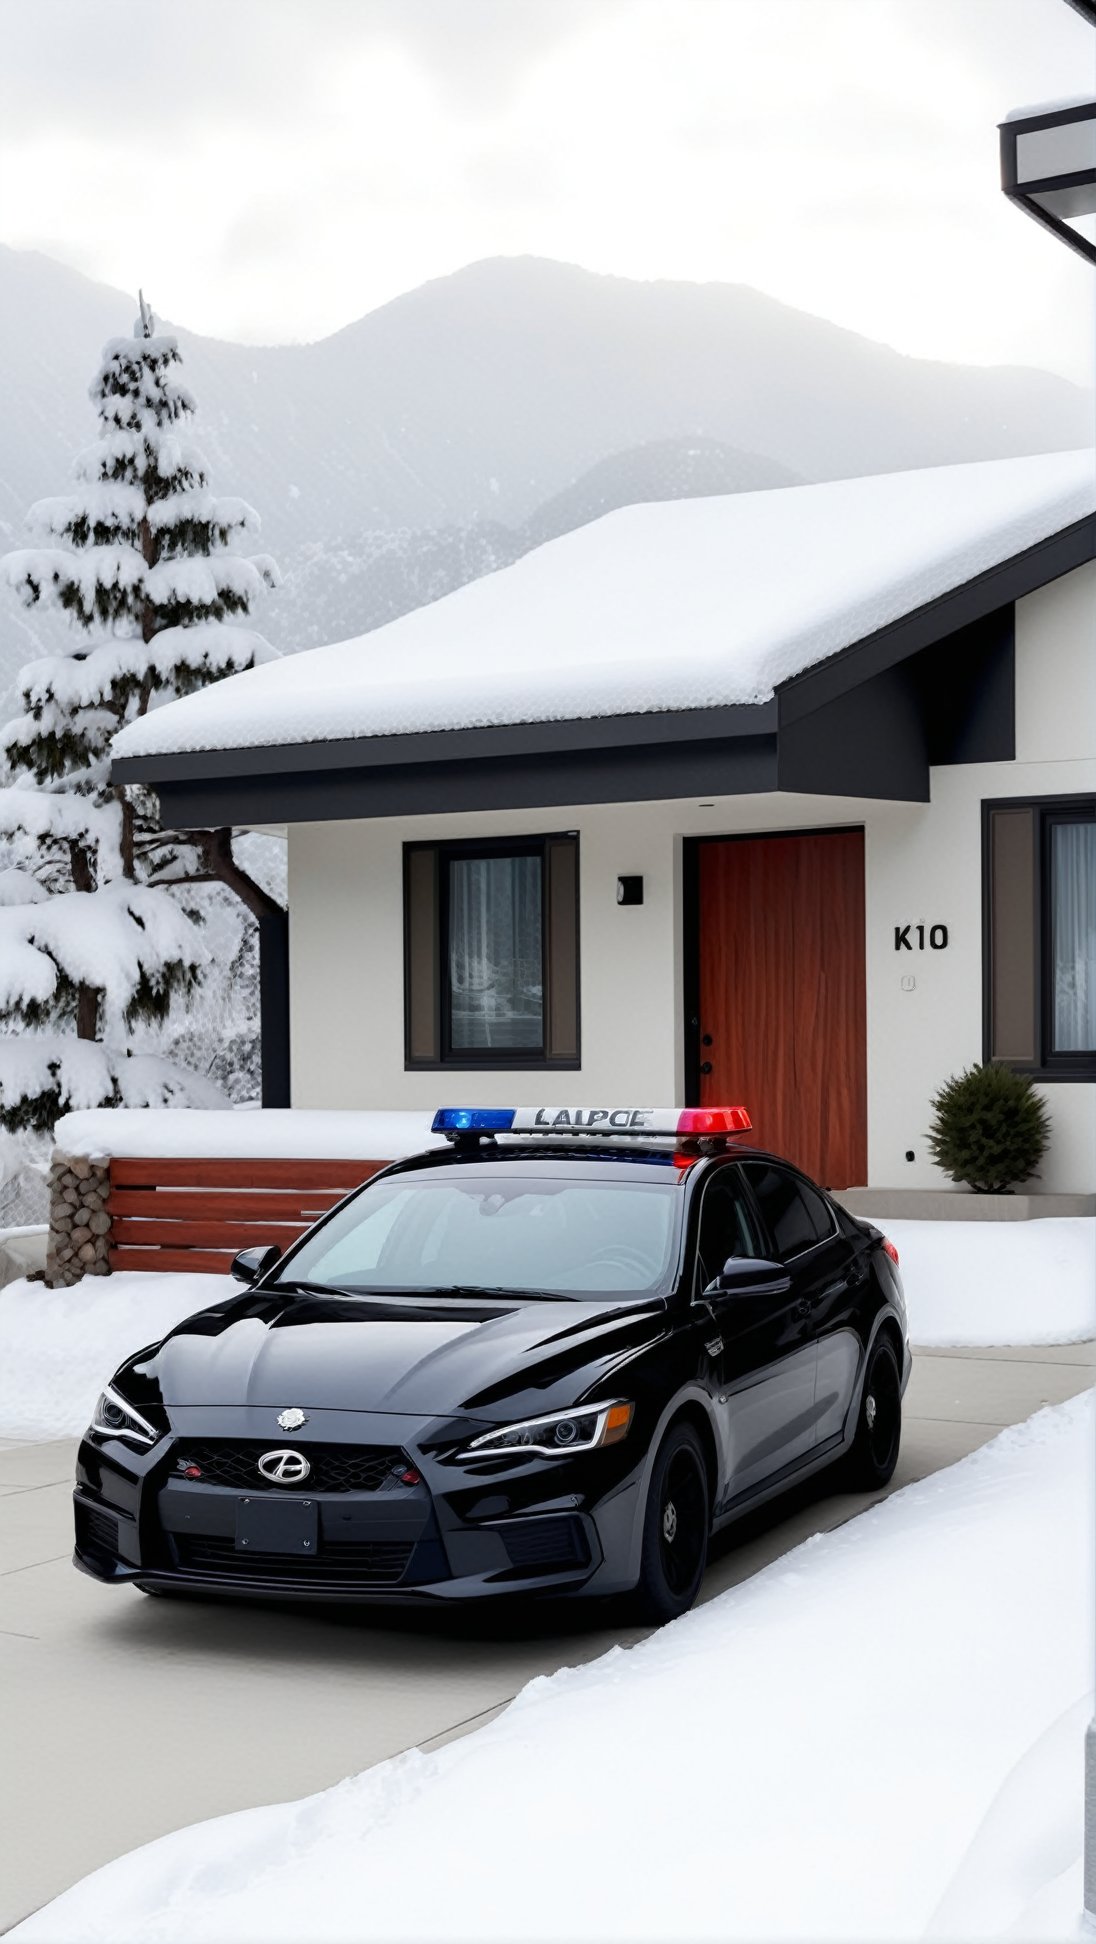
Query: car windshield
point(541, 1235)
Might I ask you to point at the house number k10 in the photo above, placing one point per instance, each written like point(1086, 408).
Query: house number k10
point(911, 938)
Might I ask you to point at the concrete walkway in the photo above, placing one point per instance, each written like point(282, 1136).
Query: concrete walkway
point(126, 1717)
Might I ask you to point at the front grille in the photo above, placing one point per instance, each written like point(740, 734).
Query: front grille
point(96, 1532)
point(546, 1544)
point(335, 1467)
point(374, 1562)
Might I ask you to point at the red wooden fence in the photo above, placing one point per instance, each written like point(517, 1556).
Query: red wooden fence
point(196, 1214)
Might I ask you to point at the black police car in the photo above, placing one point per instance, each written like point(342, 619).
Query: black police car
point(554, 1356)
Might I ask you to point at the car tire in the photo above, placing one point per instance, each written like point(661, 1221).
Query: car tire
point(874, 1452)
point(676, 1525)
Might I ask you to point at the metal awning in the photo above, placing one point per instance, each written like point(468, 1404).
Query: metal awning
point(1048, 168)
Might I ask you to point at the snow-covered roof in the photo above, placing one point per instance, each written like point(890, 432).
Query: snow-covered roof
point(683, 604)
point(1055, 107)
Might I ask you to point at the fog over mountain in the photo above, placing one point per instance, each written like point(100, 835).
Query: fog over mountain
point(442, 435)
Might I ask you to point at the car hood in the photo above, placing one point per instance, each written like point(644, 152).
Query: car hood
point(429, 1359)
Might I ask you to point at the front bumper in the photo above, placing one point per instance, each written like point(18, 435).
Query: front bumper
point(503, 1527)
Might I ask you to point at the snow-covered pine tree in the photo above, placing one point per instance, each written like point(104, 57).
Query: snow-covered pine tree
point(142, 558)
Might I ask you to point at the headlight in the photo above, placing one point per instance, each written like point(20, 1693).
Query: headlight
point(114, 1418)
point(561, 1433)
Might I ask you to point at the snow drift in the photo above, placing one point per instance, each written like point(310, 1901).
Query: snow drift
point(858, 1743)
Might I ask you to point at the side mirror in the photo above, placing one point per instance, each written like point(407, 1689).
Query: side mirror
point(750, 1276)
point(251, 1264)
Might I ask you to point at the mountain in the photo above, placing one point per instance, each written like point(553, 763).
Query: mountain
point(486, 410)
point(333, 589)
point(663, 469)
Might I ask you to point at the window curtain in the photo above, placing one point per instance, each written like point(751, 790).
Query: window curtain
point(496, 977)
point(1073, 893)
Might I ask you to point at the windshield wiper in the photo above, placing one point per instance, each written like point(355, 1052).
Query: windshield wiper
point(312, 1288)
point(421, 1292)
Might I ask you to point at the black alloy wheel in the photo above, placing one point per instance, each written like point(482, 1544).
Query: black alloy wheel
point(874, 1452)
point(675, 1530)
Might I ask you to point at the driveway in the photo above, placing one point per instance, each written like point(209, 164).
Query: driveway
point(126, 1717)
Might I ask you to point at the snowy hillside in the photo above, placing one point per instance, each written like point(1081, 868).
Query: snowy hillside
point(442, 434)
point(340, 587)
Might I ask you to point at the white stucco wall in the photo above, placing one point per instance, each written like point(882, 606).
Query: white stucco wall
point(346, 948)
point(923, 865)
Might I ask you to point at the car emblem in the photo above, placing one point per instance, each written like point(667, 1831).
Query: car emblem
point(284, 1467)
point(292, 1419)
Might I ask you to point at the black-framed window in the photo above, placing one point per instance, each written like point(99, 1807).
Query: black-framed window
point(1039, 968)
point(491, 953)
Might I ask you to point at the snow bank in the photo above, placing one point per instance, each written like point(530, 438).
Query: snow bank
point(969, 1283)
point(681, 604)
point(58, 1347)
point(263, 1132)
point(851, 1745)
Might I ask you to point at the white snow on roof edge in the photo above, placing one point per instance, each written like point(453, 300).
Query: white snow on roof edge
point(1049, 107)
point(669, 605)
point(263, 1133)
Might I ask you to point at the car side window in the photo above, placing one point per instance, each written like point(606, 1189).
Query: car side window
point(727, 1226)
point(795, 1214)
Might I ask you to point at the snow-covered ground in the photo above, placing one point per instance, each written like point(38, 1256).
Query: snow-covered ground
point(966, 1283)
point(877, 1737)
point(997, 1282)
point(58, 1347)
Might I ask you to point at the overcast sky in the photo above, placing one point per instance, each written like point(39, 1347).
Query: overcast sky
point(271, 169)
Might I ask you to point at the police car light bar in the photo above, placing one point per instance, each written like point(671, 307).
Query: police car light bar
point(605, 1123)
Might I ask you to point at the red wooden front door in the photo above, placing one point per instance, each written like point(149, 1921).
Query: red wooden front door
point(782, 1005)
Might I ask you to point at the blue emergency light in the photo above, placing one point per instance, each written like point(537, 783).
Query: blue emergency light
point(473, 1120)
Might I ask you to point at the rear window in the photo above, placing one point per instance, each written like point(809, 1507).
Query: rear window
point(523, 1231)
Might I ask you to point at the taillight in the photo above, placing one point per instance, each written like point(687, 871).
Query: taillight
point(889, 1249)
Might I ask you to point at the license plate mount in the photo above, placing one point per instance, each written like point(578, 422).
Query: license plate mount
point(270, 1525)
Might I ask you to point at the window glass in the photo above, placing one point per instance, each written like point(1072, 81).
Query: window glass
point(726, 1227)
point(496, 972)
point(511, 1232)
point(1073, 923)
point(795, 1214)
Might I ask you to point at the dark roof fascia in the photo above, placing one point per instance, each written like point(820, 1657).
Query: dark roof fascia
point(996, 587)
point(504, 740)
point(640, 772)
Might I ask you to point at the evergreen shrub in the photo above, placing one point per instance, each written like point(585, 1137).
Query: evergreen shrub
point(990, 1129)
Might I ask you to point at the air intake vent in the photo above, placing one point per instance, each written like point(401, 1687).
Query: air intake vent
point(96, 1532)
point(380, 1562)
point(547, 1544)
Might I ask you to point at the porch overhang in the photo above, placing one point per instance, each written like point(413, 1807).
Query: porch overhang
point(937, 686)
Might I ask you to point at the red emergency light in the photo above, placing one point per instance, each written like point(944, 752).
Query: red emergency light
point(700, 1123)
